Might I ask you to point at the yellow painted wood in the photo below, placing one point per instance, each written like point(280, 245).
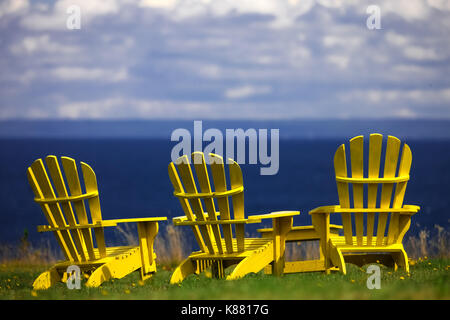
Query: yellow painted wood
point(304, 266)
point(60, 186)
point(183, 222)
point(390, 165)
point(273, 215)
point(73, 181)
point(300, 233)
point(47, 279)
point(406, 209)
point(90, 182)
point(44, 184)
point(178, 187)
point(198, 159)
point(400, 189)
point(281, 226)
point(237, 182)
point(45, 208)
point(220, 185)
point(249, 254)
point(187, 177)
point(340, 167)
point(357, 160)
point(375, 144)
point(73, 232)
point(390, 205)
point(147, 232)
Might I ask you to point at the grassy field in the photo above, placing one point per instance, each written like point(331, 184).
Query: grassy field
point(428, 279)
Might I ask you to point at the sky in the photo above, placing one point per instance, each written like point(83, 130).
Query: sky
point(227, 59)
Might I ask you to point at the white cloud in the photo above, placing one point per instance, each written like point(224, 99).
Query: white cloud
point(120, 107)
point(397, 96)
point(407, 9)
point(443, 5)
point(42, 43)
point(246, 91)
point(89, 74)
point(13, 7)
point(420, 53)
point(166, 4)
point(339, 61)
point(56, 18)
point(396, 38)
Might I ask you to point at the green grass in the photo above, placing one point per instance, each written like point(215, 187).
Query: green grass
point(428, 279)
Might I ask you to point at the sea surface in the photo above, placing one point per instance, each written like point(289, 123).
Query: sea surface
point(133, 180)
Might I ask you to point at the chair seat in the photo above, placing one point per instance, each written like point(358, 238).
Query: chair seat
point(111, 253)
point(339, 242)
point(251, 245)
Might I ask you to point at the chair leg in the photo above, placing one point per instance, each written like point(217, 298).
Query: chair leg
point(147, 232)
point(401, 260)
point(47, 279)
point(117, 268)
point(253, 263)
point(186, 268)
point(338, 259)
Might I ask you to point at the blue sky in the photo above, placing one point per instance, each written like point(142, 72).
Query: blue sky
point(229, 59)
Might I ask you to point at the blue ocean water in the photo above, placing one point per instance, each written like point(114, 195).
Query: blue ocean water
point(133, 180)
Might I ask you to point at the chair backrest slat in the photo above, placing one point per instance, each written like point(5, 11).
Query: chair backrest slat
point(390, 166)
point(375, 145)
point(73, 181)
point(386, 221)
point(62, 201)
point(187, 177)
point(400, 189)
point(340, 168)
point(58, 182)
point(237, 181)
point(357, 160)
point(48, 214)
point(178, 187)
point(54, 214)
point(90, 183)
point(199, 162)
point(220, 185)
point(213, 194)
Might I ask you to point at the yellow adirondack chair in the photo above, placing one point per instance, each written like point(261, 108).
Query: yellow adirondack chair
point(219, 248)
point(369, 236)
point(74, 233)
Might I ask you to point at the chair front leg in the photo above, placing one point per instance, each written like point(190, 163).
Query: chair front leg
point(321, 223)
point(147, 232)
point(281, 227)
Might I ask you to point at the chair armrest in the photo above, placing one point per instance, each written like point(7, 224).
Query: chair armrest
point(151, 219)
point(184, 218)
point(273, 215)
point(406, 209)
point(182, 221)
point(100, 224)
